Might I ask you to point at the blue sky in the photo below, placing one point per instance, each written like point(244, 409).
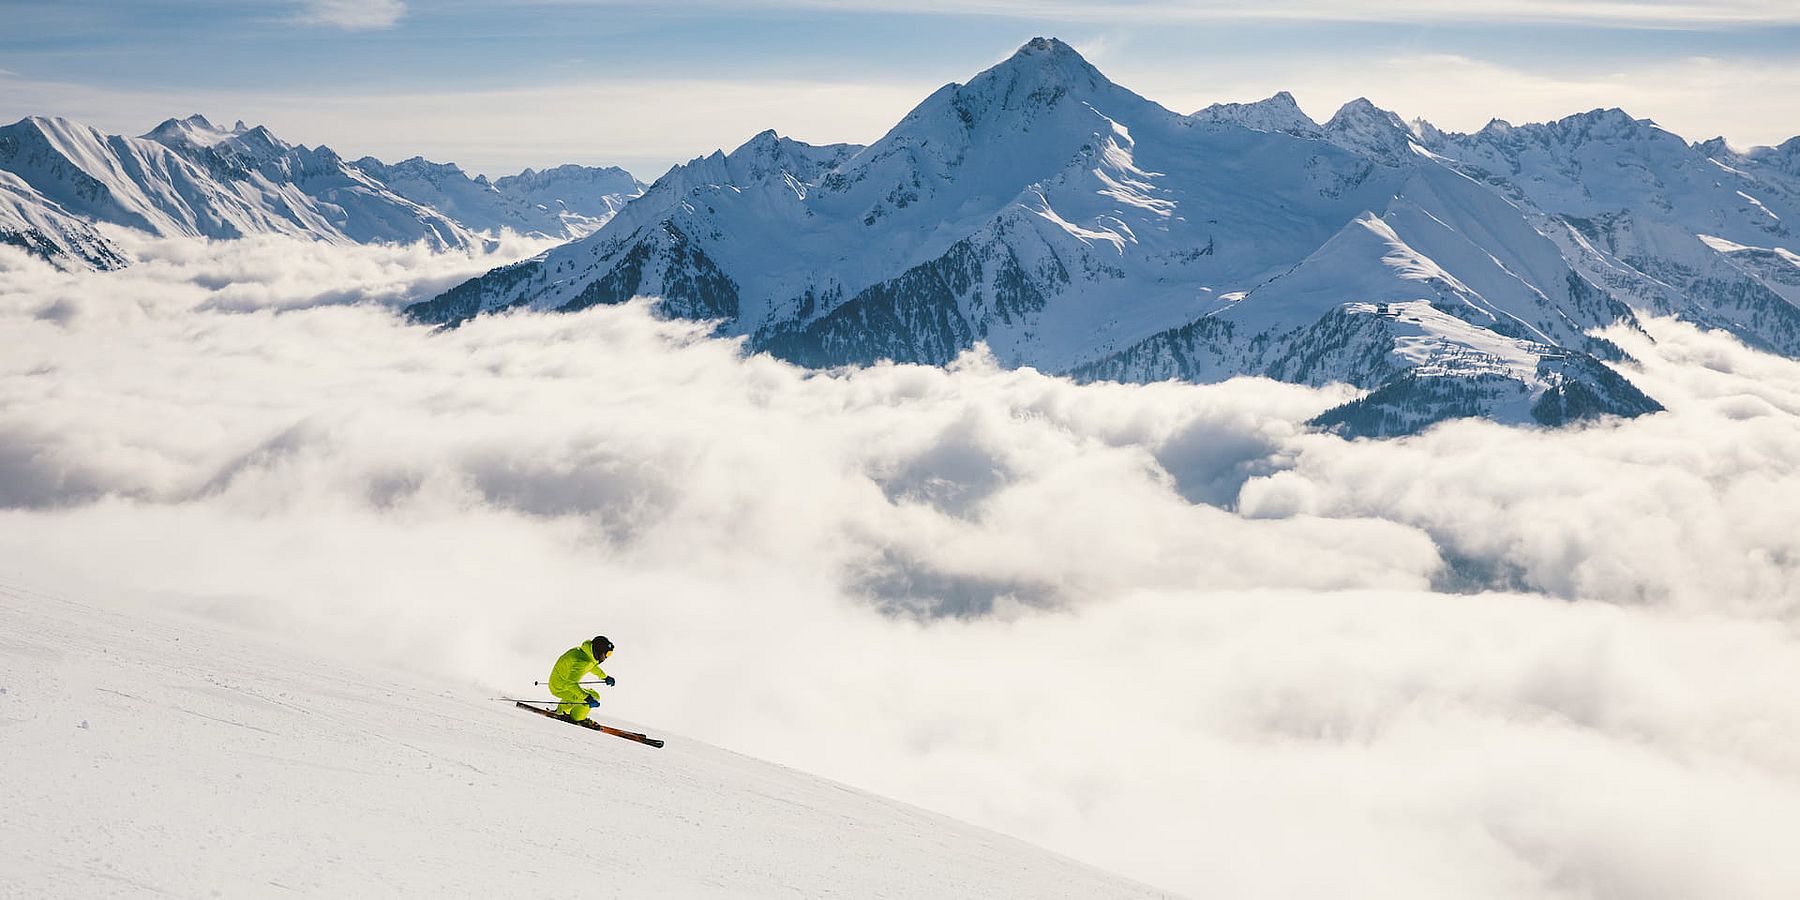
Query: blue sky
point(498, 86)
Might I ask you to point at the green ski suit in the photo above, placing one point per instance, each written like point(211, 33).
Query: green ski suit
point(565, 680)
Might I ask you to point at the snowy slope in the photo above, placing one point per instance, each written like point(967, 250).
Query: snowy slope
point(1371, 309)
point(189, 178)
point(148, 755)
point(1661, 222)
point(40, 226)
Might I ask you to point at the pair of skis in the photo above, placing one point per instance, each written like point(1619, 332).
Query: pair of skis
point(550, 712)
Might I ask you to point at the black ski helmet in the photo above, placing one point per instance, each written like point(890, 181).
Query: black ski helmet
point(602, 646)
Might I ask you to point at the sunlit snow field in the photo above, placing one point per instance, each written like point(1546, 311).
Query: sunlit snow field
point(1163, 629)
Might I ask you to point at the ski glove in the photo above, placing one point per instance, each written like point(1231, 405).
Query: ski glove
point(593, 702)
point(610, 681)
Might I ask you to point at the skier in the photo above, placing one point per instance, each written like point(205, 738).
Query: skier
point(570, 669)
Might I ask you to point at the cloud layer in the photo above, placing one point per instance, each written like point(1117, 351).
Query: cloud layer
point(1160, 628)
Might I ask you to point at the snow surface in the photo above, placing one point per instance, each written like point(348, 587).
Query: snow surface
point(147, 755)
point(44, 228)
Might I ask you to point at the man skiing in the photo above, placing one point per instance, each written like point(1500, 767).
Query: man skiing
point(570, 669)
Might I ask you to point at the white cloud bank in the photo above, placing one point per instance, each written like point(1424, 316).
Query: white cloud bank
point(1160, 628)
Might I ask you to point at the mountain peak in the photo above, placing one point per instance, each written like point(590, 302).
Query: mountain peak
point(174, 124)
point(766, 138)
point(1362, 109)
point(51, 128)
point(1611, 122)
point(1050, 56)
point(1041, 77)
point(1040, 73)
point(1609, 125)
point(1279, 112)
point(195, 130)
point(1610, 115)
point(1368, 129)
point(196, 133)
point(763, 150)
point(1426, 132)
point(1047, 46)
point(1715, 148)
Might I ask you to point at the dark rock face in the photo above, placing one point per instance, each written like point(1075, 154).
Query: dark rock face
point(465, 301)
point(929, 314)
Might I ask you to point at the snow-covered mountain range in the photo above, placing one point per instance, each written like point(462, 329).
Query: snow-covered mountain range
point(59, 178)
point(1077, 227)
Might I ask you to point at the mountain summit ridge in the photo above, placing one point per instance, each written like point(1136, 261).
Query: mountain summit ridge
point(1070, 224)
point(1279, 112)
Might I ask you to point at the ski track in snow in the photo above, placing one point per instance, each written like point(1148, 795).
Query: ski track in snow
point(153, 756)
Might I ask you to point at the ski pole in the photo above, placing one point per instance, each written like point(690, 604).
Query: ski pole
point(578, 682)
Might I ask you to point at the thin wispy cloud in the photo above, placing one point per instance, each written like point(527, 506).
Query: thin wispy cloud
point(353, 15)
point(1636, 13)
point(502, 130)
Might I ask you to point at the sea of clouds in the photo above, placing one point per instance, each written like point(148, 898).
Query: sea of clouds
point(1165, 629)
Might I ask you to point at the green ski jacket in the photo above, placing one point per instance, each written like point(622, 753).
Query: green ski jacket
point(572, 668)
